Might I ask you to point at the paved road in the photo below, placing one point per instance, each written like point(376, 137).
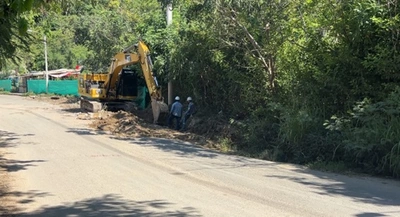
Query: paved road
point(61, 168)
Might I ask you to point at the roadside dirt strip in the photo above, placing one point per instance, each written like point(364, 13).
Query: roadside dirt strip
point(53, 163)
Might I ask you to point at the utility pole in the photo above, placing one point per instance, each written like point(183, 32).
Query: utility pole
point(45, 60)
point(45, 63)
point(169, 22)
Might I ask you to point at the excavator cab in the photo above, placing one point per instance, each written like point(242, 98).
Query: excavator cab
point(127, 83)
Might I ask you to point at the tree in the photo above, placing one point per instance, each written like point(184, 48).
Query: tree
point(14, 18)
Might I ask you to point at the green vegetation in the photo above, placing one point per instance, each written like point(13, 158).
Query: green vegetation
point(308, 82)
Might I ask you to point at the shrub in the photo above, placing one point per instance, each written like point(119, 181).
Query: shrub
point(370, 135)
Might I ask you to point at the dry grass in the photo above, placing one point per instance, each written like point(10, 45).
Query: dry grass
point(130, 125)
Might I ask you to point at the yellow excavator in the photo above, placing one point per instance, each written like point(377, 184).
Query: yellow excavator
point(118, 89)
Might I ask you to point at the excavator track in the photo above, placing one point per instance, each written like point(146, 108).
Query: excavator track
point(90, 106)
point(95, 106)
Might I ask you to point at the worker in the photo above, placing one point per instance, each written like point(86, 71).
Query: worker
point(175, 113)
point(190, 111)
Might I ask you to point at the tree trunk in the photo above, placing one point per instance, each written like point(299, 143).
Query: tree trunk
point(268, 63)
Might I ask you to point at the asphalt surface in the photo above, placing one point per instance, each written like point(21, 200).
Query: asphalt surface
point(60, 167)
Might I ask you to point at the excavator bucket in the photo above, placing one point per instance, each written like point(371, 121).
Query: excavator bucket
point(160, 111)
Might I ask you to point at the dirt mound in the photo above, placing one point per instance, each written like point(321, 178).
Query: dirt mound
point(138, 123)
point(127, 124)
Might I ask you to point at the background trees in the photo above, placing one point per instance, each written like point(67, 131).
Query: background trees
point(14, 19)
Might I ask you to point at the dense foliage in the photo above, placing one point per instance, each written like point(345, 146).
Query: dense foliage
point(15, 16)
point(300, 81)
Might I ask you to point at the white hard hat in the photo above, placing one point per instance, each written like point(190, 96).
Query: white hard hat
point(189, 99)
point(177, 98)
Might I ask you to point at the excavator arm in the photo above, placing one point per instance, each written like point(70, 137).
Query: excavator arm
point(147, 68)
point(157, 101)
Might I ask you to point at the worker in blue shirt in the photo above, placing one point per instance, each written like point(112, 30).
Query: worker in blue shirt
point(175, 113)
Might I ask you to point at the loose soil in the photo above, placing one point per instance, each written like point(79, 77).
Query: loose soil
point(136, 124)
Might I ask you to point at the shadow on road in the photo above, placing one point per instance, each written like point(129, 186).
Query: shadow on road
point(84, 131)
point(176, 147)
point(182, 149)
point(10, 199)
point(185, 149)
point(10, 139)
point(72, 110)
point(374, 214)
point(112, 205)
point(17, 165)
point(7, 139)
point(369, 214)
point(13, 199)
point(360, 189)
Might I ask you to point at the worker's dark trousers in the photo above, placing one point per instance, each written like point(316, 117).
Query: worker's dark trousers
point(178, 121)
point(184, 121)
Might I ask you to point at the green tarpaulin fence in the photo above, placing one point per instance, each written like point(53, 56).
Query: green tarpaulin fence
point(5, 85)
point(36, 86)
point(66, 87)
